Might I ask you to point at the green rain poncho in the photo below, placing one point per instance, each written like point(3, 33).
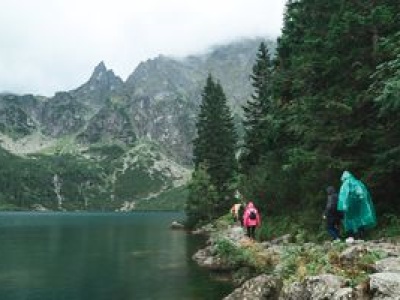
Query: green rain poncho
point(356, 203)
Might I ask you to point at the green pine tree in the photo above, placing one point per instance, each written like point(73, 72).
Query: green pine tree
point(325, 117)
point(215, 144)
point(202, 198)
point(256, 111)
point(386, 92)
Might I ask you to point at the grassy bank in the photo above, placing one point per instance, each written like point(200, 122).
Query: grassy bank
point(309, 252)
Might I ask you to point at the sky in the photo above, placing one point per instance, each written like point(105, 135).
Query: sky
point(53, 45)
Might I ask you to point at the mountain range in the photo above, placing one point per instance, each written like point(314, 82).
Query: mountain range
point(129, 140)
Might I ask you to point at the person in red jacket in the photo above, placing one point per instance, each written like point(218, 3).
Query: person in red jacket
point(251, 219)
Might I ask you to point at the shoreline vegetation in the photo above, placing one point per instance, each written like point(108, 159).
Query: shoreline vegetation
point(301, 264)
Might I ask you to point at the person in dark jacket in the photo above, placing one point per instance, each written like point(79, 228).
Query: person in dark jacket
point(331, 214)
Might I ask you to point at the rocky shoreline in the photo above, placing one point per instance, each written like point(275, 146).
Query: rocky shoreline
point(375, 265)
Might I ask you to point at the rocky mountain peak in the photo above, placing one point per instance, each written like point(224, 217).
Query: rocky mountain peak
point(103, 124)
point(99, 71)
point(101, 84)
point(104, 78)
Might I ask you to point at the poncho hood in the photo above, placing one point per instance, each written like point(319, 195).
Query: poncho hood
point(346, 175)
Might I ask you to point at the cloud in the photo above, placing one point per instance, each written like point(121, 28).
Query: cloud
point(52, 45)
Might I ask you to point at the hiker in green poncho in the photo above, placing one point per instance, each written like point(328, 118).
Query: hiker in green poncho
point(356, 203)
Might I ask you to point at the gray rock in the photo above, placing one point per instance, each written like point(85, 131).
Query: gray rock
point(390, 264)
point(352, 253)
point(206, 259)
point(326, 286)
point(389, 249)
point(284, 239)
point(260, 287)
point(385, 285)
point(296, 291)
point(344, 294)
point(176, 225)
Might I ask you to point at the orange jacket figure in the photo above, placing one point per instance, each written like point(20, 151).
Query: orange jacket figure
point(251, 216)
point(235, 211)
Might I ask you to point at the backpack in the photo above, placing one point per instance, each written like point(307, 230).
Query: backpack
point(253, 215)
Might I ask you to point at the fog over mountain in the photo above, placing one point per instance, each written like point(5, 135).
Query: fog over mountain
point(150, 117)
point(49, 46)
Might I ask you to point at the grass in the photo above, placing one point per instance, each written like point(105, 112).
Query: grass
point(301, 259)
point(247, 254)
point(63, 145)
point(4, 206)
point(302, 228)
point(388, 226)
point(173, 199)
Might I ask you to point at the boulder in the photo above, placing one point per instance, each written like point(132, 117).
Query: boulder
point(205, 258)
point(325, 286)
point(39, 207)
point(352, 253)
point(296, 291)
point(344, 294)
point(385, 286)
point(260, 287)
point(177, 225)
point(390, 264)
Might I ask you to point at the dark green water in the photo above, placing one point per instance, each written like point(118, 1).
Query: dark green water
point(85, 256)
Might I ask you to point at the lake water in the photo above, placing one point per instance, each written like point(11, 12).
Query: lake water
point(96, 256)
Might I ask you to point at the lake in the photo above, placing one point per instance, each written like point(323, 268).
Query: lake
point(110, 256)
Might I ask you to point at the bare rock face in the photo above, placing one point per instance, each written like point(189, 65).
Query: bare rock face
point(296, 291)
point(385, 286)
point(102, 85)
point(390, 264)
point(326, 286)
point(260, 287)
point(206, 258)
point(344, 294)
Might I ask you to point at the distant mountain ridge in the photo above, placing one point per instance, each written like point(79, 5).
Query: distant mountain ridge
point(156, 105)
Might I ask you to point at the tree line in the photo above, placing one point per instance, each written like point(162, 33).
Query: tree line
point(327, 101)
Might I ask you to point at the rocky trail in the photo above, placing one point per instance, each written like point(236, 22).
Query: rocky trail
point(301, 270)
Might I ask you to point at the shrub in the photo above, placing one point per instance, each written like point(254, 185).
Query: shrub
point(249, 256)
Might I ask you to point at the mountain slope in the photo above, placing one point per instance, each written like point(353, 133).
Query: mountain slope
point(109, 142)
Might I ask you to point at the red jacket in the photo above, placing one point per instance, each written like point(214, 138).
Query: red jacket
point(246, 216)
